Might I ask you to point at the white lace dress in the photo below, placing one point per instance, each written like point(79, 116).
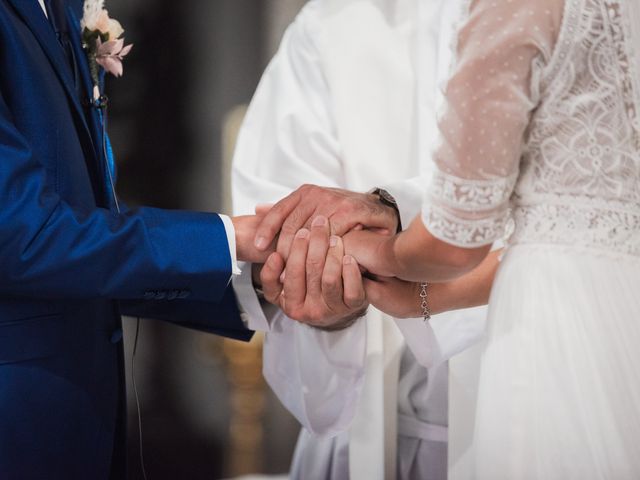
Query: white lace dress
point(541, 141)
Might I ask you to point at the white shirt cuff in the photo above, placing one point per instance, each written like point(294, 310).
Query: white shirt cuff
point(44, 9)
point(231, 238)
point(251, 311)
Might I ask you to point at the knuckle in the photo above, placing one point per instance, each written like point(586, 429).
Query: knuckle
point(283, 245)
point(314, 265)
point(294, 222)
point(288, 229)
point(313, 317)
point(354, 300)
point(313, 280)
point(332, 290)
point(305, 316)
point(293, 313)
point(329, 284)
point(330, 194)
point(348, 204)
point(277, 211)
point(318, 317)
point(308, 189)
point(269, 280)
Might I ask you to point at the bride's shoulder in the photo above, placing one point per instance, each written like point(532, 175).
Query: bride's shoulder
point(539, 20)
point(548, 7)
point(534, 10)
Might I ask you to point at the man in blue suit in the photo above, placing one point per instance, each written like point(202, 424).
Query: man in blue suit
point(72, 260)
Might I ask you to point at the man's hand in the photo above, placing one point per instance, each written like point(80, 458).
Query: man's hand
point(345, 211)
point(318, 286)
point(245, 227)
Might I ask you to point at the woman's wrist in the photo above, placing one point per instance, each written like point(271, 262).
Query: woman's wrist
point(405, 254)
point(388, 257)
point(437, 296)
point(436, 299)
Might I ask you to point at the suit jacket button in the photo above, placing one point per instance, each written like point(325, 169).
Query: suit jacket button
point(116, 336)
point(183, 294)
point(173, 294)
point(160, 295)
point(149, 295)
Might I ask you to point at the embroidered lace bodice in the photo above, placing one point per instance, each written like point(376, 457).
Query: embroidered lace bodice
point(541, 134)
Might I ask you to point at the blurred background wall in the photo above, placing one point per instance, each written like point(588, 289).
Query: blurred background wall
point(206, 412)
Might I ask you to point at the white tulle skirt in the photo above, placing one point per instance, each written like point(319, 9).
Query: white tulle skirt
point(559, 391)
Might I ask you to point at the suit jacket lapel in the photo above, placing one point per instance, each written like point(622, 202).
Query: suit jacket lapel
point(31, 13)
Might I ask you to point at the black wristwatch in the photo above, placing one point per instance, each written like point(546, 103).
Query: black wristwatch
point(387, 199)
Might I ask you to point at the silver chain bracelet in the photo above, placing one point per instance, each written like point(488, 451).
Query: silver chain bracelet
point(426, 312)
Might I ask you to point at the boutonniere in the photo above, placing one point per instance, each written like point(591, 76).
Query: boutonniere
point(101, 39)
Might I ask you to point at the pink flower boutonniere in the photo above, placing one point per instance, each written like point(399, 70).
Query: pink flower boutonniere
point(101, 39)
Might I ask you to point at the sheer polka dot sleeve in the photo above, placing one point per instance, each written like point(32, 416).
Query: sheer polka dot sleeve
point(502, 47)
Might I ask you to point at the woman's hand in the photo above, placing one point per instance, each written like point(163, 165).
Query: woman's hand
point(401, 299)
point(413, 254)
point(394, 297)
point(373, 251)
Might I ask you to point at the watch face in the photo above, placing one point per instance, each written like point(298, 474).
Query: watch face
point(386, 197)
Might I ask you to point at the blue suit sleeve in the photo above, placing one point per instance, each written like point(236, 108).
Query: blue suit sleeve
point(221, 318)
point(50, 249)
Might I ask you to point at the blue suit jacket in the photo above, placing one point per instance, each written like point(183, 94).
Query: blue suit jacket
point(70, 264)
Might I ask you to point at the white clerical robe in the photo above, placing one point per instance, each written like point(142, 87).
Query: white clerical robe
point(349, 101)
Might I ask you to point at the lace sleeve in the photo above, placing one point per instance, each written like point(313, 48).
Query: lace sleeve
point(501, 48)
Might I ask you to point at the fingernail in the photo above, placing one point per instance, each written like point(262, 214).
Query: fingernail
point(261, 243)
point(282, 277)
point(348, 260)
point(319, 221)
point(333, 241)
point(304, 233)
